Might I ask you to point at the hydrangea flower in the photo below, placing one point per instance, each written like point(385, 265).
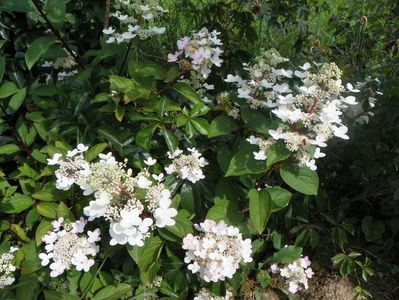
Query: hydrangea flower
point(309, 108)
point(197, 55)
point(67, 245)
point(201, 49)
point(187, 166)
point(216, 253)
point(7, 268)
point(205, 294)
point(134, 18)
point(132, 205)
point(296, 274)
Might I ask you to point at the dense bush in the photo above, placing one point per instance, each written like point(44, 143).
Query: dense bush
point(178, 149)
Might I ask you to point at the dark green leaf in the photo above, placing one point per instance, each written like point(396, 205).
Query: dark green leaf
point(260, 206)
point(37, 49)
point(187, 92)
point(222, 125)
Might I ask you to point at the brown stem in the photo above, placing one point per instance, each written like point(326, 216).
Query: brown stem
point(56, 32)
point(106, 15)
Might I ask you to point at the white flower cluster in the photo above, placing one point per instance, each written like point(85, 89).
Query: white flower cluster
point(131, 205)
point(65, 66)
point(360, 112)
point(296, 274)
point(7, 268)
point(217, 252)
point(67, 245)
point(201, 49)
point(205, 294)
point(309, 104)
point(187, 166)
point(136, 18)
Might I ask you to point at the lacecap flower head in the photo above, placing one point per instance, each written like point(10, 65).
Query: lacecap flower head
point(216, 253)
point(68, 246)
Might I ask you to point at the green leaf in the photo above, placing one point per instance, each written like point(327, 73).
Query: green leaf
point(256, 121)
point(172, 74)
point(56, 10)
point(54, 295)
point(260, 206)
point(276, 153)
point(300, 178)
point(47, 209)
point(119, 112)
point(243, 162)
point(7, 89)
point(199, 110)
point(286, 255)
point(222, 125)
point(182, 227)
point(94, 151)
point(37, 49)
point(153, 70)
point(144, 136)
point(2, 67)
point(18, 6)
point(280, 198)
point(19, 232)
point(17, 99)
point(372, 229)
point(145, 256)
point(43, 227)
point(8, 149)
point(16, 204)
point(114, 292)
point(201, 125)
point(226, 210)
point(170, 139)
point(187, 92)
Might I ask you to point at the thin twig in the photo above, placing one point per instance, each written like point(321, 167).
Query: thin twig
point(106, 15)
point(56, 32)
point(125, 58)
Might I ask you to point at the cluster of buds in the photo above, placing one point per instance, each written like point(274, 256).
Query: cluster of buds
point(296, 274)
point(132, 205)
point(136, 18)
point(7, 268)
point(67, 245)
point(308, 103)
point(217, 252)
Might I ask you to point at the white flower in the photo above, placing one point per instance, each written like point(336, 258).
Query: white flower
point(109, 30)
point(188, 166)
point(349, 100)
point(350, 88)
point(318, 154)
point(55, 160)
point(276, 134)
point(296, 274)
point(68, 246)
point(341, 132)
point(216, 253)
point(7, 268)
point(150, 161)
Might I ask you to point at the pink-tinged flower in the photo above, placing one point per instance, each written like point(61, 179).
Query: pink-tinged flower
point(182, 43)
point(173, 57)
